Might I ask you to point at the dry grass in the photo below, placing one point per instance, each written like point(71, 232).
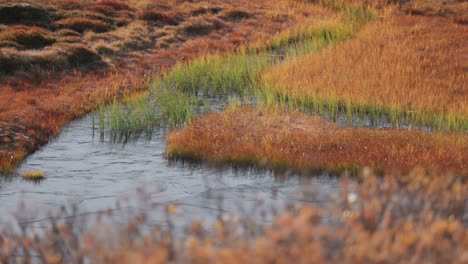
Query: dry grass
point(27, 37)
point(414, 65)
point(293, 140)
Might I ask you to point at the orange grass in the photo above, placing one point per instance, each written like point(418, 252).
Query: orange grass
point(414, 65)
point(294, 140)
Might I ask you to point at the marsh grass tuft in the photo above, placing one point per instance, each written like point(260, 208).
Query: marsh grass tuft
point(33, 175)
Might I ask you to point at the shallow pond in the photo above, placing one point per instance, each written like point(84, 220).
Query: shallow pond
point(82, 170)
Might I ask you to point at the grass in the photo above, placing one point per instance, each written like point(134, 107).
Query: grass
point(83, 24)
point(27, 37)
point(33, 175)
point(396, 70)
point(291, 140)
point(237, 74)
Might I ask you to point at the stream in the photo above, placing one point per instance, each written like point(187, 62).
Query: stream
point(92, 174)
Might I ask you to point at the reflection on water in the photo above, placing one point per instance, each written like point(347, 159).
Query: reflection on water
point(81, 170)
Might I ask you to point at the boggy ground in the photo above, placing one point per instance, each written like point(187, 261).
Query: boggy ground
point(59, 60)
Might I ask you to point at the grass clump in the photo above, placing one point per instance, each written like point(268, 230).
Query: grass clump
point(200, 27)
point(158, 18)
point(235, 15)
point(84, 24)
point(33, 175)
point(27, 37)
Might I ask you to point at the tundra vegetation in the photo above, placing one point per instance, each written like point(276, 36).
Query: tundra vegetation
point(309, 85)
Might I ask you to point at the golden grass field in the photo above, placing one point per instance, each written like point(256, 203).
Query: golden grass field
point(410, 64)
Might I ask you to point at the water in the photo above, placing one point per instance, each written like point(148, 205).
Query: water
point(82, 170)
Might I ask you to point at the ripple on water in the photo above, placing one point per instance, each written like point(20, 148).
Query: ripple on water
point(80, 169)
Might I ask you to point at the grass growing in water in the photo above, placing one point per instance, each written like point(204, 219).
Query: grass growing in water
point(33, 175)
point(176, 97)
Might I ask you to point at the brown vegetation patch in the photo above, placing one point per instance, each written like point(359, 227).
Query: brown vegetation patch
point(200, 27)
point(79, 55)
point(159, 18)
point(235, 15)
point(206, 10)
point(72, 5)
point(83, 24)
point(27, 37)
point(67, 33)
point(293, 140)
